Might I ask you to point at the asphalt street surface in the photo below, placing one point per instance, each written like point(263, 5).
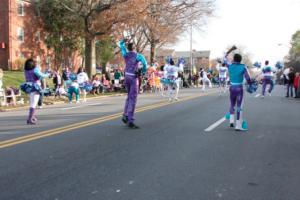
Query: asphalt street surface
point(171, 157)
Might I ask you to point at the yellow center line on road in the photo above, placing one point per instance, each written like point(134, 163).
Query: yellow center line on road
point(47, 133)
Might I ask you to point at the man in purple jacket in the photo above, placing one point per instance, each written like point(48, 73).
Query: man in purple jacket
point(132, 72)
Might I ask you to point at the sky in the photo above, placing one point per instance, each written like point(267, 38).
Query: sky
point(257, 25)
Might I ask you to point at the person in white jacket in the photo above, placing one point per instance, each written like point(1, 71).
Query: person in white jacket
point(82, 80)
point(223, 75)
point(204, 78)
point(171, 72)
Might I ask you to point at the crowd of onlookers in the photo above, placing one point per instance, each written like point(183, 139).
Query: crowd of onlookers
point(292, 82)
point(60, 82)
point(113, 80)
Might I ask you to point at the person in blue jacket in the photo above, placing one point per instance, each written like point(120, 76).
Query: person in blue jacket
point(237, 73)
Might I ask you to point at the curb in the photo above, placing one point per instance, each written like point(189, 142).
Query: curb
point(59, 102)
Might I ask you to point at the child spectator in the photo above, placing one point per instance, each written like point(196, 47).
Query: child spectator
point(117, 77)
point(105, 83)
point(96, 85)
point(60, 91)
point(57, 80)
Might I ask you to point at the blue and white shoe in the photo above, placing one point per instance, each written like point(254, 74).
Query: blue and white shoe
point(241, 125)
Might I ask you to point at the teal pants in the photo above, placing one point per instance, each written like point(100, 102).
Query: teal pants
point(74, 90)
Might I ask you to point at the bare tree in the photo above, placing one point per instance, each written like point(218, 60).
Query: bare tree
point(166, 20)
point(161, 22)
point(99, 17)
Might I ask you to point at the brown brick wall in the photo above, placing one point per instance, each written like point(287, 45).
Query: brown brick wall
point(31, 47)
point(4, 33)
point(31, 25)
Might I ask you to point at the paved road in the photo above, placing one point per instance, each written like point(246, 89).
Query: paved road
point(170, 158)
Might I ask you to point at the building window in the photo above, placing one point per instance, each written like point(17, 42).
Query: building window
point(37, 36)
point(37, 10)
point(48, 62)
point(38, 61)
point(21, 55)
point(20, 34)
point(21, 8)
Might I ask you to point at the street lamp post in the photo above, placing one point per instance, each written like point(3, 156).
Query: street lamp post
point(191, 49)
point(281, 44)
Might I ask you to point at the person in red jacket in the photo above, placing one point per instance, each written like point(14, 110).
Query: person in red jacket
point(296, 84)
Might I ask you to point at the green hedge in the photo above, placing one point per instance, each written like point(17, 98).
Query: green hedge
point(13, 78)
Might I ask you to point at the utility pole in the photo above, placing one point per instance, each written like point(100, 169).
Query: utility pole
point(191, 48)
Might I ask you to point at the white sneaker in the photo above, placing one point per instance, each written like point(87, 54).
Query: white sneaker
point(231, 121)
point(262, 96)
point(77, 101)
point(40, 107)
point(270, 94)
point(176, 99)
point(238, 126)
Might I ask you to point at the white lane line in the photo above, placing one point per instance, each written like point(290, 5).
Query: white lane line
point(94, 104)
point(73, 107)
point(257, 95)
point(215, 125)
point(84, 105)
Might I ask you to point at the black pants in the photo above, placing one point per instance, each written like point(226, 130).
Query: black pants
point(289, 90)
point(40, 103)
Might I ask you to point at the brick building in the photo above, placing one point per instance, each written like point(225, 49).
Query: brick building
point(21, 36)
point(200, 58)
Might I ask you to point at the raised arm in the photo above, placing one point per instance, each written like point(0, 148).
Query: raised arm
point(226, 61)
point(142, 59)
point(218, 67)
point(181, 67)
point(123, 48)
point(40, 74)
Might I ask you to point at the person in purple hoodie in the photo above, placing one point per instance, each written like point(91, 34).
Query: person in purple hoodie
point(33, 76)
point(132, 72)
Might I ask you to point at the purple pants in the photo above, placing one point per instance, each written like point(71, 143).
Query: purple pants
point(131, 84)
point(267, 80)
point(236, 98)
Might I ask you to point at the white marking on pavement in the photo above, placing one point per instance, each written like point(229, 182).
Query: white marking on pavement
point(84, 105)
point(94, 104)
point(215, 125)
point(131, 182)
point(257, 95)
point(73, 107)
point(260, 136)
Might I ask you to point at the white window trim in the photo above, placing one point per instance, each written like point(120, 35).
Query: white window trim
point(20, 33)
point(38, 36)
point(23, 8)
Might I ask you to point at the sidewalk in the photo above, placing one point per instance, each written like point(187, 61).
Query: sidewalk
point(24, 107)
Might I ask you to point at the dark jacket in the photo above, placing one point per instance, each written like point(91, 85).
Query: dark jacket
point(291, 77)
